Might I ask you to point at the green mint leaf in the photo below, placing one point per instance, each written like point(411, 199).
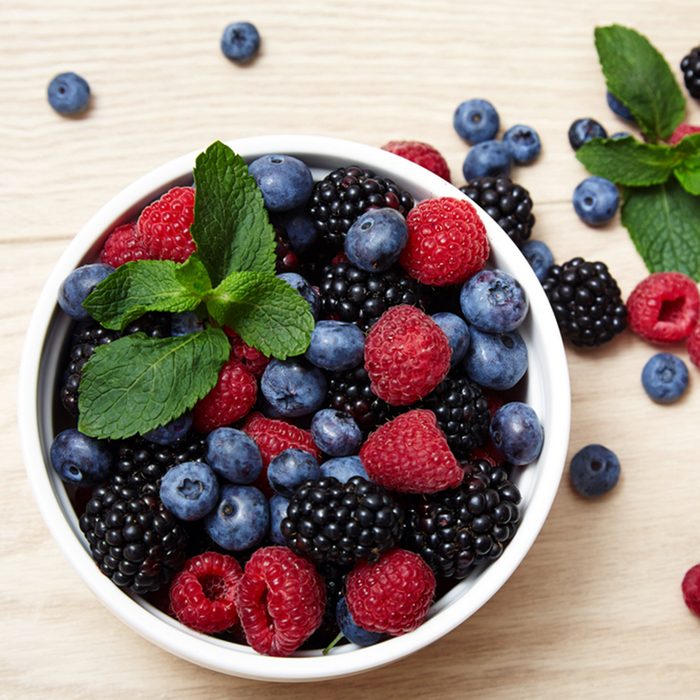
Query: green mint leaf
point(664, 224)
point(147, 285)
point(265, 311)
point(231, 227)
point(638, 75)
point(135, 384)
point(688, 171)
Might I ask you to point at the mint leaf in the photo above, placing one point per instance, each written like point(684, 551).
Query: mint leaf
point(231, 227)
point(664, 224)
point(688, 171)
point(135, 384)
point(638, 75)
point(265, 311)
point(147, 285)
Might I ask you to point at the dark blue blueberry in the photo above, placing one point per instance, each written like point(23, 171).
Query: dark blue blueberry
point(240, 42)
point(594, 470)
point(354, 633)
point(517, 432)
point(617, 107)
point(241, 519)
point(621, 135)
point(523, 142)
point(336, 433)
point(665, 377)
point(496, 361)
point(336, 346)
point(487, 159)
point(293, 388)
point(233, 455)
point(375, 241)
point(476, 121)
point(583, 130)
point(172, 431)
point(80, 459)
point(266, 408)
point(78, 285)
point(344, 468)
point(189, 490)
point(596, 200)
point(540, 257)
point(296, 281)
point(299, 228)
point(278, 512)
point(290, 469)
point(493, 301)
point(185, 323)
point(69, 94)
point(457, 332)
point(285, 182)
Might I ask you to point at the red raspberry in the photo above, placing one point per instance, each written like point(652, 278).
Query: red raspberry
point(202, 594)
point(164, 226)
point(422, 154)
point(232, 398)
point(410, 454)
point(122, 246)
point(406, 355)
point(691, 589)
point(280, 600)
point(447, 242)
point(682, 130)
point(694, 346)
point(664, 307)
point(391, 596)
point(251, 358)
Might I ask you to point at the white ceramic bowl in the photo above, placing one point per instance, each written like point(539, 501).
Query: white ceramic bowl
point(547, 391)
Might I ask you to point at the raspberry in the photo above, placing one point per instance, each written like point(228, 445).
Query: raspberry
point(123, 245)
point(682, 130)
point(694, 346)
point(447, 242)
point(410, 454)
point(422, 154)
point(280, 600)
point(202, 594)
point(691, 589)
point(251, 358)
point(664, 307)
point(391, 596)
point(231, 399)
point(164, 226)
point(406, 355)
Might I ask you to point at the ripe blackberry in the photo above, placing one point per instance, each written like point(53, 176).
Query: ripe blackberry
point(586, 301)
point(345, 194)
point(690, 65)
point(335, 523)
point(462, 413)
point(506, 202)
point(458, 529)
point(287, 259)
point(351, 294)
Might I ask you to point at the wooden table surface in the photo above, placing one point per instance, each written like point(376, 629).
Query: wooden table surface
point(595, 610)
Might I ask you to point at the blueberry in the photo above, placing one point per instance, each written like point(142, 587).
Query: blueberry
point(596, 200)
point(80, 459)
point(457, 332)
point(496, 361)
point(523, 142)
point(241, 519)
point(290, 469)
point(493, 301)
point(240, 42)
point(69, 94)
point(336, 346)
point(78, 285)
point(297, 282)
point(336, 433)
point(353, 633)
point(278, 512)
point(583, 130)
point(285, 182)
point(540, 257)
point(489, 158)
point(189, 490)
point(375, 241)
point(293, 388)
point(621, 135)
point(665, 377)
point(185, 323)
point(344, 468)
point(517, 432)
point(594, 470)
point(617, 107)
point(172, 431)
point(476, 121)
point(233, 455)
point(299, 228)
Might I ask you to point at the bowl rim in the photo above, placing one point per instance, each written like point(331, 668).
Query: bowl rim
point(213, 653)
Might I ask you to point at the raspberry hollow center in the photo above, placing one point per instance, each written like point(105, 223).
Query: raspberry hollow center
point(672, 311)
point(214, 587)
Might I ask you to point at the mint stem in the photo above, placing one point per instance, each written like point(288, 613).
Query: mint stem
point(333, 643)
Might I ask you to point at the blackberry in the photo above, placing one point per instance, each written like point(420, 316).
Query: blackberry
point(690, 65)
point(334, 577)
point(462, 413)
point(335, 523)
point(458, 529)
point(286, 259)
point(351, 294)
point(586, 301)
point(346, 193)
point(506, 202)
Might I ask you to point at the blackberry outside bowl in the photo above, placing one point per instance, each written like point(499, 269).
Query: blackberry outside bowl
point(547, 391)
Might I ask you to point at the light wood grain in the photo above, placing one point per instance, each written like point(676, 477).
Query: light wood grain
point(595, 609)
